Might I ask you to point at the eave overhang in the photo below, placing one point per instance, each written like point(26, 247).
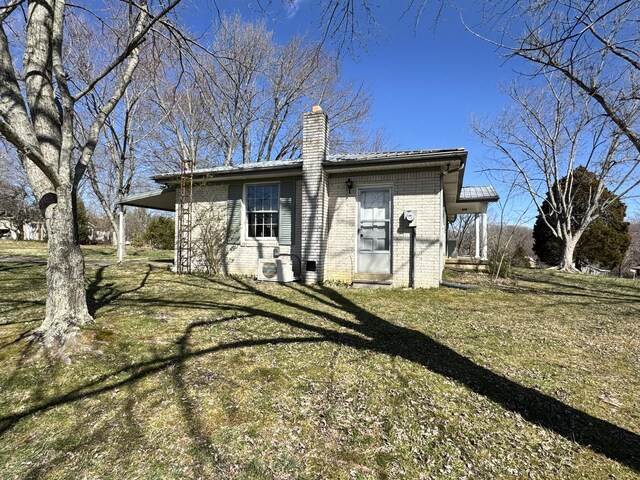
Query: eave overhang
point(161, 199)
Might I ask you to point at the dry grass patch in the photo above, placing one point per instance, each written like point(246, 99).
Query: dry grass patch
point(38, 250)
point(193, 377)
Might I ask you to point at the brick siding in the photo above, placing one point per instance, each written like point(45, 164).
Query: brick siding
point(315, 205)
point(412, 190)
point(210, 201)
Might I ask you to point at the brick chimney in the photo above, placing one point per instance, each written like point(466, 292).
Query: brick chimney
point(315, 200)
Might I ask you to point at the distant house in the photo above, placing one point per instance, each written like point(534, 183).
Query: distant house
point(13, 229)
point(355, 218)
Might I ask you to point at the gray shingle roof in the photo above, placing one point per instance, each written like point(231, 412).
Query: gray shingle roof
point(482, 193)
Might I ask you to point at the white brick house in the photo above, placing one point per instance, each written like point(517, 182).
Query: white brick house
point(342, 216)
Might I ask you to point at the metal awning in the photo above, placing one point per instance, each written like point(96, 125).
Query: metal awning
point(161, 199)
point(472, 200)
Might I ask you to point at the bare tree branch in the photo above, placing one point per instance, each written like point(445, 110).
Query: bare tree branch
point(132, 46)
point(546, 141)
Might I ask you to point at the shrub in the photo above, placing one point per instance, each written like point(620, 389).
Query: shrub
point(210, 238)
point(519, 258)
point(160, 233)
point(499, 264)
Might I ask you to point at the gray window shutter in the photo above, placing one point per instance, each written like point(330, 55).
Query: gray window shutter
point(287, 212)
point(234, 213)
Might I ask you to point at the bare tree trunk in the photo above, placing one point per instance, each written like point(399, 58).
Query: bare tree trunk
point(66, 305)
point(568, 249)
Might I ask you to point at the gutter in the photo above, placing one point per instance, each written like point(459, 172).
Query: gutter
point(439, 158)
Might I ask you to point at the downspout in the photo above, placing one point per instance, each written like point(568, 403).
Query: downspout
point(412, 257)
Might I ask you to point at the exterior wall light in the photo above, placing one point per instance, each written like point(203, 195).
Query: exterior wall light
point(349, 184)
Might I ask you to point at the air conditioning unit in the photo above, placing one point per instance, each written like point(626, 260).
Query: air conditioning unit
point(275, 270)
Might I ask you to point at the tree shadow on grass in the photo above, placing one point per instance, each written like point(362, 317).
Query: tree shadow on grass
point(11, 306)
point(627, 294)
point(99, 435)
point(19, 305)
point(534, 406)
point(21, 336)
point(363, 331)
point(15, 267)
point(100, 293)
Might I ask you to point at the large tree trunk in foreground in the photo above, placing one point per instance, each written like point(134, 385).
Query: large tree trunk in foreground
point(50, 121)
point(38, 119)
point(66, 306)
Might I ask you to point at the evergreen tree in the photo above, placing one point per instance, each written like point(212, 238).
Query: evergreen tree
point(160, 233)
point(605, 240)
point(84, 231)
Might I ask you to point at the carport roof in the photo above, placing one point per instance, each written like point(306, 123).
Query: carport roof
point(484, 193)
point(160, 199)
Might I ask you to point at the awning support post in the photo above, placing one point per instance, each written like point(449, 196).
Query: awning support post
point(477, 225)
point(121, 234)
point(484, 236)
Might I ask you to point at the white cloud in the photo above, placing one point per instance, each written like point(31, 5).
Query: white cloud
point(292, 7)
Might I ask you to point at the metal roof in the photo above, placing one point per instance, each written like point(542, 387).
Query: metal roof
point(244, 167)
point(457, 199)
point(397, 155)
point(478, 193)
point(335, 159)
point(160, 199)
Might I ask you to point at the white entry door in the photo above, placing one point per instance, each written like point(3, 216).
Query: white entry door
point(374, 230)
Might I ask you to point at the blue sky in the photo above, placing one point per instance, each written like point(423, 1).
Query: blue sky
point(426, 83)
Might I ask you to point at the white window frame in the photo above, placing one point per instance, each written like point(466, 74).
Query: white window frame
point(245, 213)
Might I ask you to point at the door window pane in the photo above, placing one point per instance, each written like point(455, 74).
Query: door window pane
point(374, 220)
point(374, 205)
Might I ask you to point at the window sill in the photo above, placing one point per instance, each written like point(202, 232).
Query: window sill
point(252, 242)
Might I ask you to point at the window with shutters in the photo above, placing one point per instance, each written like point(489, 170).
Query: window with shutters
point(262, 209)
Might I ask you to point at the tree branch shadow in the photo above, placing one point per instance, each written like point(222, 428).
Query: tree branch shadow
point(109, 291)
point(534, 406)
point(628, 295)
point(364, 331)
point(22, 335)
point(99, 436)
